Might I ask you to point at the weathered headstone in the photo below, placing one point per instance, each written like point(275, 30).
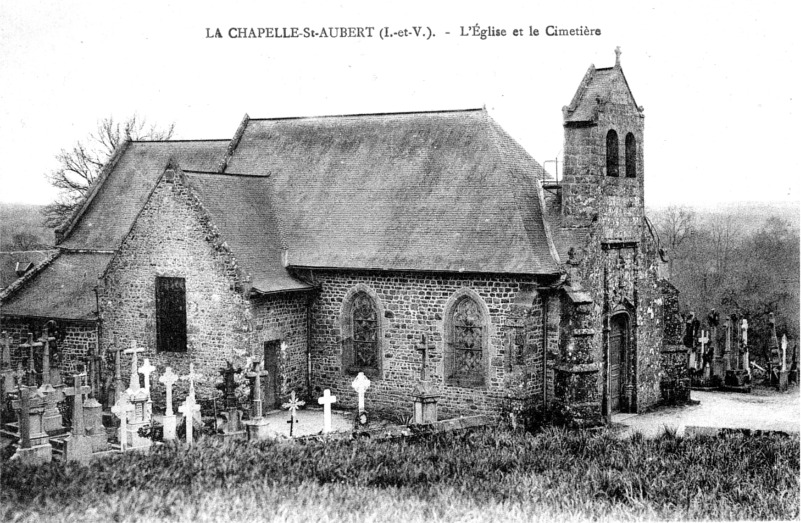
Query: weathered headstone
point(231, 420)
point(425, 392)
point(53, 422)
point(293, 405)
point(78, 446)
point(34, 446)
point(168, 379)
point(257, 425)
point(326, 400)
point(360, 385)
point(123, 409)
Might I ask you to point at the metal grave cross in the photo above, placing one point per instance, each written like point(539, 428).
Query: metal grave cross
point(134, 384)
point(360, 385)
point(78, 391)
point(168, 379)
point(189, 408)
point(146, 370)
point(122, 409)
point(293, 405)
point(326, 402)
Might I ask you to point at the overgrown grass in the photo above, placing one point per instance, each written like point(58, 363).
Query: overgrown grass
point(488, 474)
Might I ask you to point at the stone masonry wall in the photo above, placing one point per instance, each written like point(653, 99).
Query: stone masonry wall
point(73, 342)
point(414, 304)
point(173, 237)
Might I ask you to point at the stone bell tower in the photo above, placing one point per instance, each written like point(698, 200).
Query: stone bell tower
point(603, 169)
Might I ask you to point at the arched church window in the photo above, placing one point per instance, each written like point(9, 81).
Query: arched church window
point(365, 332)
point(465, 359)
point(631, 156)
point(612, 160)
point(361, 333)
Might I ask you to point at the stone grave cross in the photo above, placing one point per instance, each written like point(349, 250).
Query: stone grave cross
point(293, 404)
point(360, 385)
point(256, 374)
point(745, 332)
point(117, 372)
point(746, 358)
point(45, 340)
point(784, 352)
point(134, 350)
point(189, 408)
point(122, 409)
point(168, 422)
point(703, 339)
point(191, 377)
point(326, 402)
point(31, 346)
point(146, 370)
point(423, 348)
point(78, 391)
point(5, 360)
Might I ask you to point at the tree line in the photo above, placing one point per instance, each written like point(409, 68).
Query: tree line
point(735, 262)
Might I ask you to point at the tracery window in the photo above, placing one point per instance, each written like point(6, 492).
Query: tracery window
point(612, 154)
point(466, 358)
point(631, 156)
point(365, 331)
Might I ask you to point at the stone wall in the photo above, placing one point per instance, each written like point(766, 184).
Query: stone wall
point(74, 340)
point(414, 305)
point(173, 237)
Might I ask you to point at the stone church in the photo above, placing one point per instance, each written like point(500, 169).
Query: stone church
point(327, 246)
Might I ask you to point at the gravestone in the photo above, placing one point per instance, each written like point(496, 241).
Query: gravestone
point(774, 360)
point(293, 405)
point(168, 379)
point(123, 409)
point(425, 392)
point(784, 374)
point(118, 384)
point(34, 447)
point(326, 402)
point(78, 446)
point(32, 379)
point(140, 417)
point(257, 425)
point(190, 408)
point(53, 422)
point(736, 378)
point(146, 370)
point(231, 420)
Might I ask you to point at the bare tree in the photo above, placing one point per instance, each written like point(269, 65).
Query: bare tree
point(79, 167)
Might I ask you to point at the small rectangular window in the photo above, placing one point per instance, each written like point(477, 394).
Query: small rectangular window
point(170, 314)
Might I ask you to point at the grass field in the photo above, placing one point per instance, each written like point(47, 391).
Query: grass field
point(489, 474)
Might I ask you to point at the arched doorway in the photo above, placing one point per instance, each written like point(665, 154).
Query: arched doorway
point(618, 360)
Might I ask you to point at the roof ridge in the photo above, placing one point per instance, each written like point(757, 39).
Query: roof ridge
point(175, 141)
point(400, 113)
point(234, 175)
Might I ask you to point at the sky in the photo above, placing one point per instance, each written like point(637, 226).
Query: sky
point(717, 80)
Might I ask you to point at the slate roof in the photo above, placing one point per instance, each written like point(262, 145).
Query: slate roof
point(436, 191)
point(9, 261)
point(111, 213)
point(596, 85)
point(63, 290)
point(240, 209)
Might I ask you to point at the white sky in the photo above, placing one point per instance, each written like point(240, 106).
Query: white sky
point(716, 80)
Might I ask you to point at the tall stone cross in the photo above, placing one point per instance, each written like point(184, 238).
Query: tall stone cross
point(784, 352)
point(293, 404)
point(191, 377)
point(703, 339)
point(117, 372)
point(168, 379)
point(189, 408)
point(360, 385)
point(45, 340)
point(133, 351)
point(78, 391)
point(122, 409)
point(5, 360)
point(31, 346)
point(727, 346)
point(256, 374)
point(326, 402)
point(423, 348)
point(146, 370)
point(745, 332)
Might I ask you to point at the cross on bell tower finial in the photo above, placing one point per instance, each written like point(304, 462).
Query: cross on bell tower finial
point(617, 56)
